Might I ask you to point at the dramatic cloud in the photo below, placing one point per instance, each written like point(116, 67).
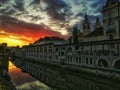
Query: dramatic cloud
point(21, 32)
point(47, 16)
point(57, 14)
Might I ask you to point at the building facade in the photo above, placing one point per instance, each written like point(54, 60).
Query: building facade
point(111, 24)
point(111, 19)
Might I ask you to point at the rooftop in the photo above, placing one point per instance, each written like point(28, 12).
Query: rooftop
point(96, 32)
point(49, 38)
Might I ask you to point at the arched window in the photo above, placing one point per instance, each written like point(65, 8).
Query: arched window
point(102, 63)
point(88, 26)
point(41, 49)
point(117, 64)
point(56, 50)
point(111, 37)
point(69, 49)
point(84, 27)
point(45, 49)
point(50, 48)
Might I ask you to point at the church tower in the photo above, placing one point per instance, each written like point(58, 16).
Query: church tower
point(86, 26)
point(98, 24)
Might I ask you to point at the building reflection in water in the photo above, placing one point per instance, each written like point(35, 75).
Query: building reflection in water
point(59, 79)
point(23, 81)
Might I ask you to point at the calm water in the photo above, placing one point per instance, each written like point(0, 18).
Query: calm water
point(23, 81)
point(59, 79)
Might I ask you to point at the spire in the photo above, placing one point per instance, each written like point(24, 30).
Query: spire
point(86, 19)
point(86, 26)
point(97, 20)
point(97, 25)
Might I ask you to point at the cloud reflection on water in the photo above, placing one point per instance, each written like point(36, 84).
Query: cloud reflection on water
point(24, 81)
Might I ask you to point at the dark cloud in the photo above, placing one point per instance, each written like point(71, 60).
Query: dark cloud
point(56, 9)
point(36, 1)
point(67, 12)
point(3, 1)
point(19, 5)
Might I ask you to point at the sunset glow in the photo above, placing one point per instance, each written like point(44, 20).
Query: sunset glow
point(12, 42)
point(23, 34)
point(11, 66)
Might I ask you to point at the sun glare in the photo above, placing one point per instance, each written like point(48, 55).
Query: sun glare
point(12, 42)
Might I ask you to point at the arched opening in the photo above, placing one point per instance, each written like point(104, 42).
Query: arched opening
point(102, 63)
point(41, 49)
point(69, 49)
point(50, 48)
point(111, 37)
point(56, 50)
point(45, 49)
point(63, 48)
point(117, 64)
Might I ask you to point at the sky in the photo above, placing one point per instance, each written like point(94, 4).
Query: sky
point(25, 21)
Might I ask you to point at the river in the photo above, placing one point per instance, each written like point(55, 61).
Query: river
point(58, 79)
point(23, 81)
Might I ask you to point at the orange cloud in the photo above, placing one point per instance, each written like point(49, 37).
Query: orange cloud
point(13, 39)
point(20, 33)
point(22, 36)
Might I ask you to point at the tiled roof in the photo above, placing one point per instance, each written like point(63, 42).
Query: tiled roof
point(96, 32)
point(80, 35)
point(50, 38)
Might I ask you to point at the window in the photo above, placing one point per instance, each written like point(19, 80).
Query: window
point(79, 59)
point(110, 15)
point(56, 57)
point(88, 26)
point(50, 49)
point(45, 57)
point(111, 37)
point(71, 59)
point(45, 49)
point(86, 60)
point(41, 50)
point(50, 57)
point(62, 53)
point(90, 60)
point(84, 27)
point(110, 25)
point(76, 59)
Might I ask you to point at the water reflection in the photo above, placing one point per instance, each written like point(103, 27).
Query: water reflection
point(24, 81)
point(60, 79)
